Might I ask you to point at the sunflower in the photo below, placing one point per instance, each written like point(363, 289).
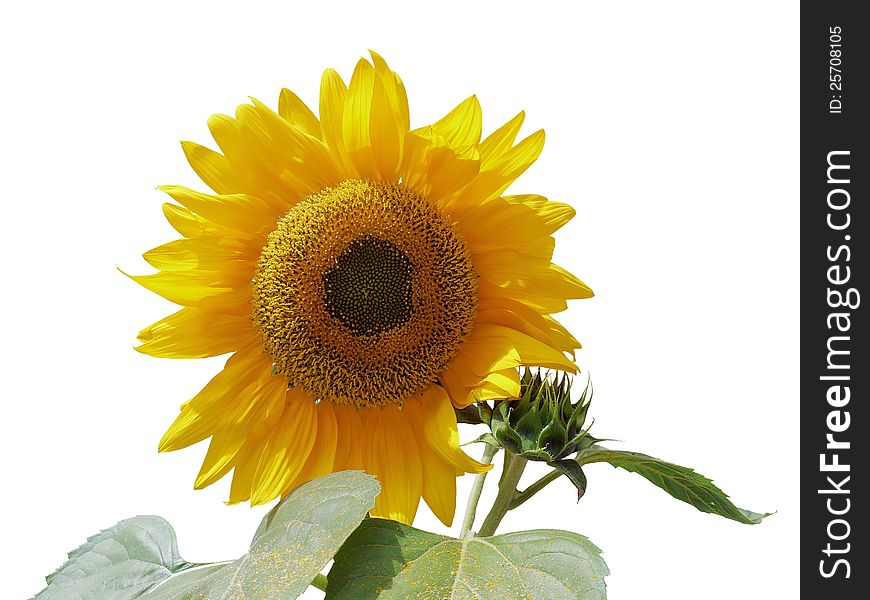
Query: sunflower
point(367, 278)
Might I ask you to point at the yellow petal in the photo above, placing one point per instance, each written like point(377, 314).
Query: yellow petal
point(245, 469)
point(222, 452)
point(514, 264)
point(451, 379)
point(390, 453)
point(213, 168)
point(505, 169)
point(395, 90)
point(434, 414)
point(183, 220)
point(448, 170)
point(461, 126)
point(333, 95)
point(295, 112)
point(466, 387)
point(488, 390)
point(506, 383)
point(557, 282)
point(356, 124)
point(301, 162)
point(239, 212)
point(389, 119)
point(435, 170)
point(493, 348)
point(516, 315)
point(235, 144)
point(524, 225)
point(552, 214)
point(439, 485)
point(500, 141)
point(257, 408)
point(348, 450)
point(543, 289)
point(200, 415)
point(385, 131)
point(207, 254)
point(192, 333)
point(413, 168)
point(520, 291)
point(287, 448)
point(184, 287)
point(321, 461)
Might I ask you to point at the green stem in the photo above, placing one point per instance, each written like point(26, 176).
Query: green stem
point(533, 489)
point(319, 582)
point(507, 489)
point(471, 508)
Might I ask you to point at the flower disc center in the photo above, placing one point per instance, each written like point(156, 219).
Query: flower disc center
point(370, 288)
point(363, 293)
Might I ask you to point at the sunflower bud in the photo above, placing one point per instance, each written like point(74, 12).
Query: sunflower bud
point(543, 424)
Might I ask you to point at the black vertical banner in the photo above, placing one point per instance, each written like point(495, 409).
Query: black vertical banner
point(835, 362)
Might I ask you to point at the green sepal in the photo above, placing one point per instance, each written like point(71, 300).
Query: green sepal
point(500, 415)
point(536, 455)
point(528, 427)
point(486, 438)
point(578, 415)
point(508, 439)
point(553, 437)
point(578, 443)
point(484, 411)
point(470, 415)
point(574, 472)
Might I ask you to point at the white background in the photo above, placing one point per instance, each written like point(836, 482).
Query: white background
point(672, 128)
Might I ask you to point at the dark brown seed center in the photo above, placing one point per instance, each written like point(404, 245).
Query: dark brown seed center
point(370, 288)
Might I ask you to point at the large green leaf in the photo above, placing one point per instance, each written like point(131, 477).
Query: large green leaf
point(203, 583)
point(680, 482)
point(138, 558)
point(391, 561)
point(120, 563)
point(301, 535)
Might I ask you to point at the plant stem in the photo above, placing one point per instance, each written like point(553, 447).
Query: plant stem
point(536, 487)
point(533, 489)
point(507, 489)
point(319, 582)
point(476, 489)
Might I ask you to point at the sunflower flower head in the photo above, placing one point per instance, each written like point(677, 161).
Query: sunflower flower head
point(365, 279)
point(543, 423)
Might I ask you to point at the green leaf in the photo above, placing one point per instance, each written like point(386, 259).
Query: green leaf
point(302, 534)
point(391, 561)
point(680, 482)
point(120, 563)
point(202, 583)
point(138, 558)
